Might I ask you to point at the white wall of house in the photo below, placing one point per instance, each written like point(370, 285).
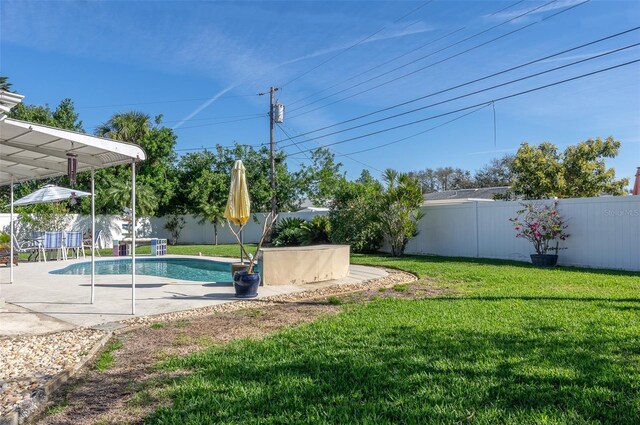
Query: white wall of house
point(604, 232)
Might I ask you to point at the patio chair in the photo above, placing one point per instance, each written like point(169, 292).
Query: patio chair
point(53, 241)
point(97, 240)
point(28, 247)
point(73, 242)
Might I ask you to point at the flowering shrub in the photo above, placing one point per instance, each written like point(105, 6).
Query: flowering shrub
point(541, 225)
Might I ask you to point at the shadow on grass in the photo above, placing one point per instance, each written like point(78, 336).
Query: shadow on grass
point(408, 375)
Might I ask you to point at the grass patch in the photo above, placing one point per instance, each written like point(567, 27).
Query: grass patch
point(182, 339)
point(401, 287)
point(157, 325)
point(182, 323)
point(106, 359)
point(253, 312)
point(516, 344)
point(56, 408)
point(382, 289)
point(333, 300)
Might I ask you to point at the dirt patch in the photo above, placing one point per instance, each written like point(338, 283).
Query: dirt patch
point(127, 392)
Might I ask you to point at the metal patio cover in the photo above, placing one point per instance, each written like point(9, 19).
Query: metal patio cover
point(31, 151)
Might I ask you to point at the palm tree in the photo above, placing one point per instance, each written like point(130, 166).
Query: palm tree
point(4, 83)
point(131, 127)
point(213, 214)
point(118, 195)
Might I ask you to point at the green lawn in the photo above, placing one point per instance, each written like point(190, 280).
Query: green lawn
point(512, 344)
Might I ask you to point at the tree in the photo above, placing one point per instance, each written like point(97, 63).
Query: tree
point(206, 171)
point(214, 214)
point(400, 212)
point(4, 83)
point(580, 171)
point(118, 197)
point(450, 178)
point(443, 178)
point(323, 176)
point(158, 170)
point(355, 214)
point(64, 116)
point(496, 173)
point(426, 179)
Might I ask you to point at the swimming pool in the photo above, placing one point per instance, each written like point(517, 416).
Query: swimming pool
point(175, 268)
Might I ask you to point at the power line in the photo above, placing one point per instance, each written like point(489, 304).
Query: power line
point(345, 155)
point(294, 142)
point(352, 46)
point(432, 64)
point(473, 81)
point(394, 59)
point(486, 103)
point(423, 131)
point(477, 91)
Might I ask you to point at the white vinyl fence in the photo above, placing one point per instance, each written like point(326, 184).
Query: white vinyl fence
point(193, 232)
point(604, 232)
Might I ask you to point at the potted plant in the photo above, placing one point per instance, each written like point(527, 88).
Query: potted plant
point(246, 282)
point(542, 225)
point(5, 249)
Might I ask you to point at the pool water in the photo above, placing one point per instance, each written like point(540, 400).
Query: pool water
point(175, 268)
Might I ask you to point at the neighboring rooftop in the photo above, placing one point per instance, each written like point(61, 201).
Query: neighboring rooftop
point(464, 195)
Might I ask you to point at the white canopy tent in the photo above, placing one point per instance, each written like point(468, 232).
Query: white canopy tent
point(31, 151)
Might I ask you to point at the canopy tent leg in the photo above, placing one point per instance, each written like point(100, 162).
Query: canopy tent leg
point(12, 236)
point(93, 236)
point(133, 237)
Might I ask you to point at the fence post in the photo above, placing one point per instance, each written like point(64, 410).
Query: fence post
point(475, 207)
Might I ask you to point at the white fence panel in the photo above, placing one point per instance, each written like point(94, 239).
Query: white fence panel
point(604, 232)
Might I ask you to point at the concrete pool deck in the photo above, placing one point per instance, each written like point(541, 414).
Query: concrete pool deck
point(40, 302)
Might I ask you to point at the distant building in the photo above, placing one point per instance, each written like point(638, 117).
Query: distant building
point(484, 194)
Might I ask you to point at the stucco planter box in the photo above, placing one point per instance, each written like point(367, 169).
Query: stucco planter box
point(304, 264)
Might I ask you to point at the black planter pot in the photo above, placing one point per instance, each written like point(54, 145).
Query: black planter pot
point(245, 284)
point(544, 260)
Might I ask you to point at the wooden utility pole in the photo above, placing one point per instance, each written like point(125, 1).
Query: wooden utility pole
point(272, 159)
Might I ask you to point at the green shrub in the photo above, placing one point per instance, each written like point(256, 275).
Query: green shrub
point(288, 232)
point(355, 215)
point(316, 231)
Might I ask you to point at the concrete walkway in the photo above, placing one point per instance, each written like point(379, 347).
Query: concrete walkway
point(39, 302)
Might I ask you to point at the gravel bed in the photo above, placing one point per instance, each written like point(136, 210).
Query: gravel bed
point(28, 362)
point(394, 277)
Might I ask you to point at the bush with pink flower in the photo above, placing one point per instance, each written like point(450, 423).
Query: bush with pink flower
point(542, 225)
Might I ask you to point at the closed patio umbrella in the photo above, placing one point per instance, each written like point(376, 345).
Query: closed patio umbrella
point(238, 207)
point(50, 193)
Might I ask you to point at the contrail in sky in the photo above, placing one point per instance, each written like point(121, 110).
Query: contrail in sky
point(204, 105)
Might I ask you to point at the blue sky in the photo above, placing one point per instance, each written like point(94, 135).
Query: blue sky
point(201, 64)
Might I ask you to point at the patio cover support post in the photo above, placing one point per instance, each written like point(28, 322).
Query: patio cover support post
point(93, 235)
point(133, 237)
point(12, 236)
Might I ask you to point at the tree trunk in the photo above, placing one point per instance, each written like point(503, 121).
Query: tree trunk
point(215, 234)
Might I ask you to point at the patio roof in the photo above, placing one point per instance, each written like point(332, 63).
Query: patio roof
point(31, 151)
